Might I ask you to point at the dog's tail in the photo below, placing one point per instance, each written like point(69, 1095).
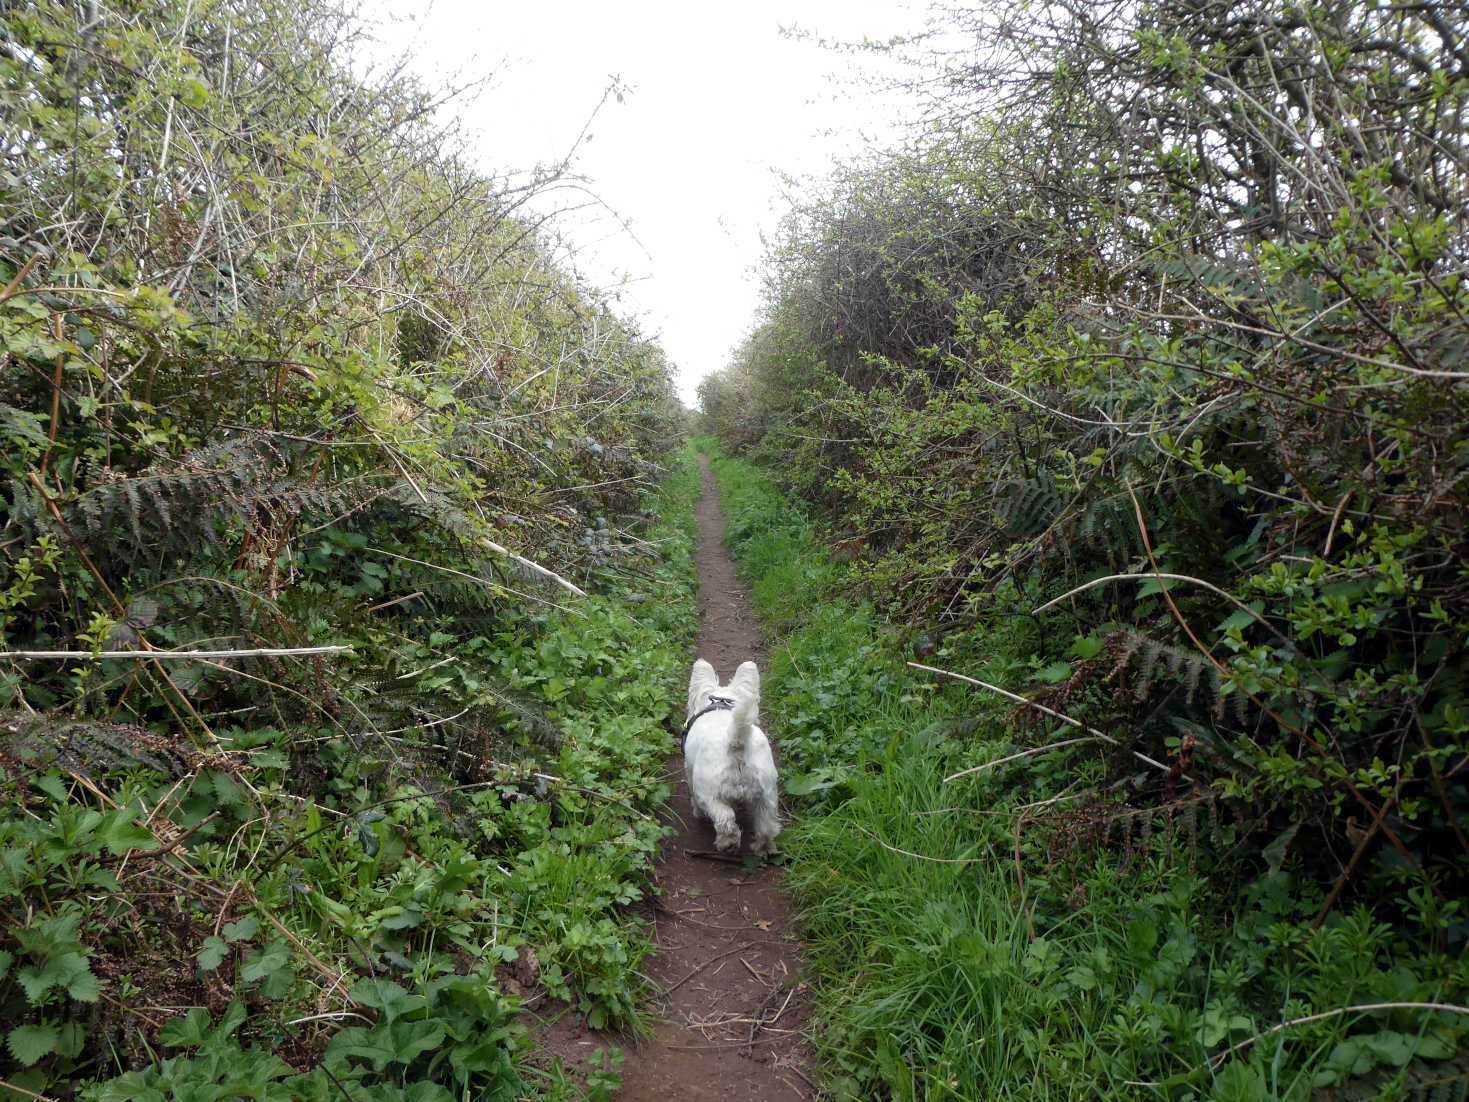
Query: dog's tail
point(747, 705)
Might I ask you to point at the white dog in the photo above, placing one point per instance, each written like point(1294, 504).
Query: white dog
point(727, 758)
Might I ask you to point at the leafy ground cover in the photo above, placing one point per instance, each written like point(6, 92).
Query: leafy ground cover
point(302, 912)
point(992, 912)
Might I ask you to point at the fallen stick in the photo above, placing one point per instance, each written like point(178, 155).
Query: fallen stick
point(183, 655)
point(710, 855)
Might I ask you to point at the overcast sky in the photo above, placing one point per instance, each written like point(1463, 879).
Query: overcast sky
point(716, 103)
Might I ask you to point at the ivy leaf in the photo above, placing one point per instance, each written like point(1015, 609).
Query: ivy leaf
point(29, 1043)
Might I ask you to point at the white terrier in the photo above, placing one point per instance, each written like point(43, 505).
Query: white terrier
point(727, 758)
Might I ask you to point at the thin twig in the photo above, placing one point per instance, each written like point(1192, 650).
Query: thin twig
point(1048, 711)
point(918, 856)
point(182, 655)
point(1361, 1008)
point(1016, 757)
point(729, 953)
point(29, 1094)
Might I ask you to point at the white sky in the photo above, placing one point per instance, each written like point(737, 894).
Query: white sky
point(717, 102)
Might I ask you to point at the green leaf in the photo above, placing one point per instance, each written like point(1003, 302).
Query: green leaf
point(264, 961)
point(230, 794)
point(1390, 1047)
point(192, 1029)
point(129, 1087)
point(1142, 939)
point(50, 935)
point(29, 1043)
point(120, 834)
point(212, 953)
point(82, 985)
point(52, 785)
point(380, 995)
point(1274, 853)
point(242, 930)
point(412, 1039)
point(37, 981)
point(1088, 646)
point(1055, 672)
point(364, 1043)
point(1237, 620)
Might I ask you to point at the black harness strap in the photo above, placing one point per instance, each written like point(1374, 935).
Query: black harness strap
point(716, 704)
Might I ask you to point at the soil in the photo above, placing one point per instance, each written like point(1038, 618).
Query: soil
point(731, 1007)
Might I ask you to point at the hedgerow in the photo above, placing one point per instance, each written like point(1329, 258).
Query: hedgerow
point(1148, 357)
point(324, 492)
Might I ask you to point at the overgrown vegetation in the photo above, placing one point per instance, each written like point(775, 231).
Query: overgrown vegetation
point(288, 387)
point(992, 914)
point(1137, 387)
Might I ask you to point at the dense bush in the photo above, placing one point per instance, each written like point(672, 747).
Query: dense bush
point(1173, 292)
point(279, 370)
point(1149, 356)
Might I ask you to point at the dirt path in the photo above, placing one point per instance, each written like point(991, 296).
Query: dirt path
point(727, 961)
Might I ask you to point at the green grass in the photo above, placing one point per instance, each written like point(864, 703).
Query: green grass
point(968, 941)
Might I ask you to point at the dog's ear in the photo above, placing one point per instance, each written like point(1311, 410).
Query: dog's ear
point(746, 679)
point(702, 681)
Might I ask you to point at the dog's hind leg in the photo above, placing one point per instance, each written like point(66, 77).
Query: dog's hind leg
point(764, 829)
point(726, 827)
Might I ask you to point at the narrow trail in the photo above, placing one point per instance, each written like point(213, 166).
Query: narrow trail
point(727, 963)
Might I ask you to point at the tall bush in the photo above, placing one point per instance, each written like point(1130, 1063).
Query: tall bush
point(1166, 317)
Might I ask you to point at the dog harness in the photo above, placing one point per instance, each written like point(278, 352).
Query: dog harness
point(716, 704)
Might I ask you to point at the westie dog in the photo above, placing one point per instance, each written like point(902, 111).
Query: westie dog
point(727, 758)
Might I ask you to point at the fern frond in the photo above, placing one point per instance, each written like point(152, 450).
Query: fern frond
point(1145, 655)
